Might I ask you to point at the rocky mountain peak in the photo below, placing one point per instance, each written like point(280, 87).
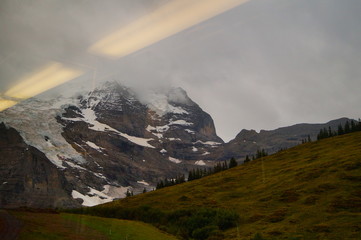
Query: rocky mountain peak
point(109, 139)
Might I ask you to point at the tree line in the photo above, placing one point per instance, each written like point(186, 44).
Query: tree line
point(259, 154)
point(198, 173)
point(348, 127)
point(171, 182)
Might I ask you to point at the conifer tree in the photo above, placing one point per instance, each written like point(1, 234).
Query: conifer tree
point(232, 163)
point(340, 130)
point(190, 176)
point(347, 127)
point(329, 131)
point(353, 126)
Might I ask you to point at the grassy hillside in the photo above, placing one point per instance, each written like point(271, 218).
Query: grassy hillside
point(39, 226)
point(312, 191)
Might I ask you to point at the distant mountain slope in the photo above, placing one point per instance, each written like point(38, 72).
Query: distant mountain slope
point(311, 191)
point(247, 142)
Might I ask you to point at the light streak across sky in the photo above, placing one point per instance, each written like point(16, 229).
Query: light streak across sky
point(164, 22)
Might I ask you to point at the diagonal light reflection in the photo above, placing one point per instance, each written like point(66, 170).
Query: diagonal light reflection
point(167, 20)
point(50, 76)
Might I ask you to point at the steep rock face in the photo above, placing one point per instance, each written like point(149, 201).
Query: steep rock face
point(27, 177)
point(247, 142)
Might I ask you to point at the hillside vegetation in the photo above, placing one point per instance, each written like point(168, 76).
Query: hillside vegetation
point(39, 226)
point(312, 191)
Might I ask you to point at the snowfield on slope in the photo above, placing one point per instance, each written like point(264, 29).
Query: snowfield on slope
point(36, 122)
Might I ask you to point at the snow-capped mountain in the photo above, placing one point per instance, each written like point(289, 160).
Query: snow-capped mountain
point(101, 143)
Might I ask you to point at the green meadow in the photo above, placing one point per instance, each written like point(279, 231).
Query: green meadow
point(45, 226)
point(311, 191)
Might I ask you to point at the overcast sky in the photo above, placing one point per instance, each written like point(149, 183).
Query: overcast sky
point(262, 65)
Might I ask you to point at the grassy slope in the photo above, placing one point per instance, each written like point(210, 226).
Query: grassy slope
point(312, 191)
point(39, 226)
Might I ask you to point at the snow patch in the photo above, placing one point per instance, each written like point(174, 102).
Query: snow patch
point(206, 153)
point(92, 198)
point(137, 140)
point(200, 163)
point(174, 139)
point(95, 197)
point(158, 129)
point(180, 122)
point(211, 143)
point(94, 146)
point(163, 151)
point(194, 149)
point(174, 160)
point(158, 135)
point(189, 131)
point(143, 182)
point(73, 165)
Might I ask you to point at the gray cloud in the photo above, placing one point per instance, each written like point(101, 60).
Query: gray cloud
point(262, 65)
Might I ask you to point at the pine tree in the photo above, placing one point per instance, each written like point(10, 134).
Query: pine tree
point(198, 174)
point(161, 184)
point(340, 130)
point(347, 127)
point(144, 190)
point(247, 159)
point(264, 153)
point(309, 138)
point(353, 126)
point(329, 131)
point(232, 163)
point(224, 166)
point(190, 175)
point(217, 167)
